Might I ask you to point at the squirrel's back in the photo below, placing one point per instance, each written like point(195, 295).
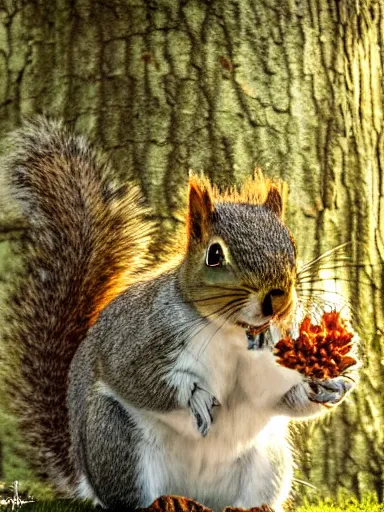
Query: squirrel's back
point(87, 239)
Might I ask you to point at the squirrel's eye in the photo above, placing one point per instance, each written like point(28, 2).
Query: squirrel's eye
point(215, 255)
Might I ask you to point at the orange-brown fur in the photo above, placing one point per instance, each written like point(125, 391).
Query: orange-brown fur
point(80, 217)
point(254, 190)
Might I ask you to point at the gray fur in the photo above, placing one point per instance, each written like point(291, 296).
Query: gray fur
point(259, 243)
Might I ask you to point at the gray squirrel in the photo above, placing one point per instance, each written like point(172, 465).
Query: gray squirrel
point(133, 379)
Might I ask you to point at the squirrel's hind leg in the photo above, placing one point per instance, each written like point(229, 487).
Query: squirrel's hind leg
point(85, 491)
point(265, 476)
point(106, 452)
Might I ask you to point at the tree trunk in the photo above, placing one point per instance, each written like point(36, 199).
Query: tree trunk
point(1, 461)
point(223, 86)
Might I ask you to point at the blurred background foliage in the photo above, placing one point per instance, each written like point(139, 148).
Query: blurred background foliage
point(164, 86)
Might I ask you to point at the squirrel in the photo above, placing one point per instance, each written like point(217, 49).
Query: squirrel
point(133, 379)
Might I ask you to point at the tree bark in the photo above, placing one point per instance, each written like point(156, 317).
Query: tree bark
point(223, 86)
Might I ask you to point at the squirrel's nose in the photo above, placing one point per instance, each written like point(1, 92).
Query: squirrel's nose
point(274, 302)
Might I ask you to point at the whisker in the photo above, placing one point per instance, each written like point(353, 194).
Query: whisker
point(215, 297)
point(336, 266)
point(319, 297)
point(225, 288)
point(335, 278)
point(219, 311)
point(309, 291)
point(329, 257)
point(317, 270)
point(193, 301)
point(320, 302)
point(227, 316)
point(326, 254)
point(203, 320)
point(189, 324)
point(317, 301)
point(202, 323)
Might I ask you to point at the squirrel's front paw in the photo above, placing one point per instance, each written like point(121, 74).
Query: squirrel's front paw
point(201, 404)
point(330, 392)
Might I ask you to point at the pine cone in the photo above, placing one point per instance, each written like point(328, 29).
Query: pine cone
point(175, 504)
point(181, 504)
point(263, 508)
point(320, 351)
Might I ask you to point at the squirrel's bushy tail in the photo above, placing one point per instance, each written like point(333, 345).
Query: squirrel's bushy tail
point(86, 239)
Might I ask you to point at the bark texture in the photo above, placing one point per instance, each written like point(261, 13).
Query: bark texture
point(296, 88)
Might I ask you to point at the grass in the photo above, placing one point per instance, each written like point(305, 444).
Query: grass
point(346, 507)
point(369, 504)
point(42, 504)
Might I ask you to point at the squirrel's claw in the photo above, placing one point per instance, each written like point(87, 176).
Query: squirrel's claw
point(201, 404)
point(330, 392)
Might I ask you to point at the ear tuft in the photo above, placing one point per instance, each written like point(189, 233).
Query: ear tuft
point(200, 209)
point(274, 201)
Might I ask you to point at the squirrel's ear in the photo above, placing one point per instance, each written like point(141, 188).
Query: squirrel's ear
point(274, 201)
point(200, 209)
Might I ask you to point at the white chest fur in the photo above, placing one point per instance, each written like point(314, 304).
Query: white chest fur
point(232, 465)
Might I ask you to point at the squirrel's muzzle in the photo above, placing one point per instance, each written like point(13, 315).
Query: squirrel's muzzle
point(276, 302)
